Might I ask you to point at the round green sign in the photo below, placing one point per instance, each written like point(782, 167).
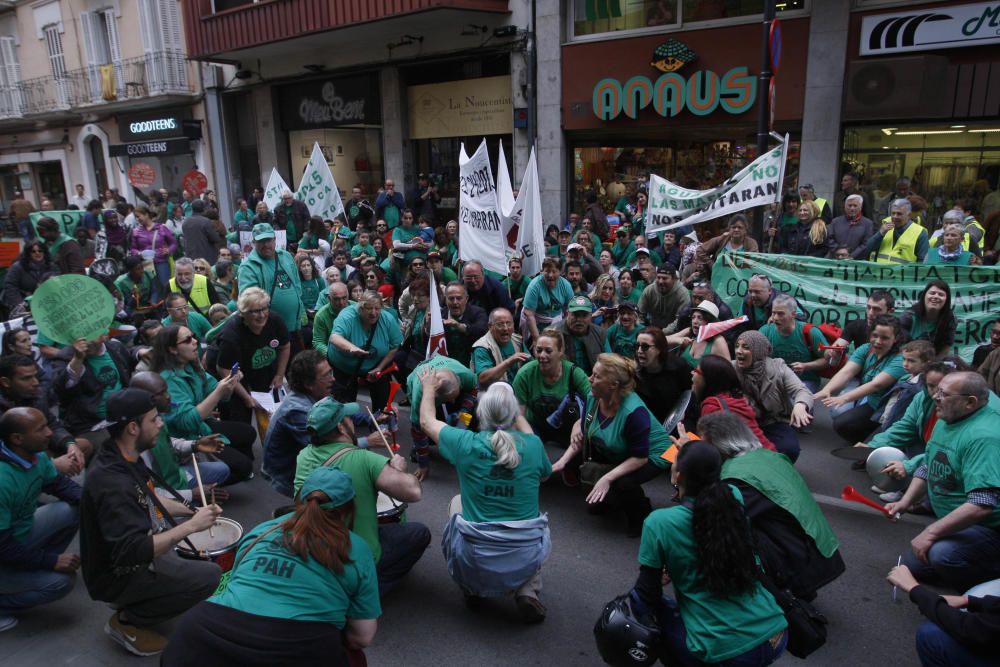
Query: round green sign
point(72, 306)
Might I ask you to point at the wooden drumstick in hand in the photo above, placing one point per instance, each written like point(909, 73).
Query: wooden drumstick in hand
point(379, 429)
point(201, 488)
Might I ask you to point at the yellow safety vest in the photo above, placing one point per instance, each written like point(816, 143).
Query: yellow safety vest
point(905, 250)
point(820, 203)
point(199, 293)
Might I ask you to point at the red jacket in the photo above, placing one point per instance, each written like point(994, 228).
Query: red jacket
point(742, 409)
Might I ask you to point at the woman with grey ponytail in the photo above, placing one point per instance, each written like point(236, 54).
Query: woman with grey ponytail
point(496, 539)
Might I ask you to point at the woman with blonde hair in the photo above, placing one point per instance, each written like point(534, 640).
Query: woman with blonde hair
point(604, 296)
point(807, 237)
point(496, 539)
point(617, 444)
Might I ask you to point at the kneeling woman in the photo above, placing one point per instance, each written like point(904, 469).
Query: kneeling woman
point(496, 540)
point(722, 613)
point(617, 444)
point(302, 588)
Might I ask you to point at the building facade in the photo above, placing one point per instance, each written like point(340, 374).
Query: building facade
point(98, 93)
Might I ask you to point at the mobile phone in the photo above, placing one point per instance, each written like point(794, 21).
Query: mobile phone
point(235, 369)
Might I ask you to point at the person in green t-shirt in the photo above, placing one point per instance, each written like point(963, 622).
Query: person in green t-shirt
point(303, 585)
point(334, 443)
point(722, 611)
point(499, 471)
point(456, 395)
point(791, 341)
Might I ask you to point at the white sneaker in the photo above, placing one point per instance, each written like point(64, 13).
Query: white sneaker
point(877, 490)
point(7, 623)
point(891, 496)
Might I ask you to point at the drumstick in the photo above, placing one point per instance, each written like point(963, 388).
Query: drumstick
point(387, 445)
point(201, 488)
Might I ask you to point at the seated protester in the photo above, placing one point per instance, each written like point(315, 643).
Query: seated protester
point(560, 250)
point(35, 566)
point(136, 286)
point(180, 313)
point(20, 388)
point(224, 279)
point(701, 292)
point(692, 349)
point(32, 268)
point(857, 332)
point(793, 539)
point(516, 283)
point(258, 341)
point(878, 366)
point(545, 301)
point(794, 342)
point(444, 275)
point(778, 396)
point(338, 298)
point(172, 458)
point(126, 541)
point(573, 272)
point(363, 248)
point(498, 355)
point(961, 630)
point(583, 339)
point(315, 246)
point(984, 350)
point(758, 301)
point(916, 355)
point(717, 387)
point(961, 477)
point(661, 378)
point(605, 300)
point(19, 341)
point(196, 396)
point(193, 287)
point(496, 539)
point(484, 291)
point(456, 394)
point(330, 277)
point(668, 252)
point(931, 317)
point(950, 251)
point(318, 594)
point(551, 390)
point(396, 547)
point(620, 336)
point(722, 612)
point(463, 323)
point(617, 444)
point(86, 373)
point(607, 265)
point(310, 283)
point(365, 339)
point(627, 291)
point(661, 301)
point(622, 248)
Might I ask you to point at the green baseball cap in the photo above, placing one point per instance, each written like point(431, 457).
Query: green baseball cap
point(334, 482)
point(262, 231)
point(580, 304)
point(327, 414)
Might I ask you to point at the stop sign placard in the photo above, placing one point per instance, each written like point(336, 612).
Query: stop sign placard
point(141, 175)
point(195, 182)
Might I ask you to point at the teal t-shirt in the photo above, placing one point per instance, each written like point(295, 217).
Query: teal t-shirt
point(19, 489)
point(196, 322)
point(610, 436)
point(620, 341)
point(482, 360)
point(891, 363)
point(632, 296)
point(717, 628)
point(793, 347)
point(104, 369)
point(311, 290)
point(272, 581)
point(348, 324)
point(537, 397)
point(414, 390)
point(540, 299)
point(406, 235)
point(491, 492)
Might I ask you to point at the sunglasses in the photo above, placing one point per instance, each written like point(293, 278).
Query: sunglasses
point(643, 346)
point(185, 341)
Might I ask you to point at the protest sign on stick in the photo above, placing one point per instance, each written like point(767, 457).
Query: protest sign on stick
point(72, 306)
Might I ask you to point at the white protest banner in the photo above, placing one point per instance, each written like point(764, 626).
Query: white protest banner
point(275, 187)
point(246, 244)
point(318, 189)
point(757, 184)
point(280, 239)
point(505, 191)
point(435, 342)
point(528, 209)
point(479, 218)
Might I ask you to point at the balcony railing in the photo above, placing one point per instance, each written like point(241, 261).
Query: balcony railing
point(157, 73)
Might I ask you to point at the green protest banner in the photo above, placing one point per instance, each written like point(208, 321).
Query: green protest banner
point(68, 220)
point(72, 306)
point(835, 291)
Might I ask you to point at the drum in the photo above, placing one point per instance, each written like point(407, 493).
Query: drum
point(218, 547)
point(877, 460)
point(389, 510)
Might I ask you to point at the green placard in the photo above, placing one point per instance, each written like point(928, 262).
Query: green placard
point(68, 220)
point(72, 306)
point(836, 291)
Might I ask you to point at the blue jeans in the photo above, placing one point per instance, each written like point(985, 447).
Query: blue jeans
point(26, 230)
point(961, 560)
point(402, 546)
point(212, 472)
point(936, 648)
point(159, 289)
point(53, 529)
point(784, 438)
point(676, 651)
point(851, 384)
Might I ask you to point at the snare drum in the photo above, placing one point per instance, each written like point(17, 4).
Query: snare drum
point(389, 509)
point(218, 547)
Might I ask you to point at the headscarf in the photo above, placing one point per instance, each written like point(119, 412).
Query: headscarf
point(762, 382)
point(760, 350)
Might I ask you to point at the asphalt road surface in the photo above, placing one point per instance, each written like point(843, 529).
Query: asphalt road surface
point(425, 621)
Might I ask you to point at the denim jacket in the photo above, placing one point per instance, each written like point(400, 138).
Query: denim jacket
point(286, 436)
point(491, 559)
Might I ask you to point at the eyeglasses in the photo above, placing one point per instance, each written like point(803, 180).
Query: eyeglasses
point(643, 346)
point(940, 392)
point(417, 265)
point(702, 285)
point(181, 308)
point(258, 311)
point(185, 341)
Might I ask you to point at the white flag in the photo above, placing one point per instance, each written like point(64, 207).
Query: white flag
point(435, 342)
point(479, 216)
point(318, 189)
point(505, 191)
point(275, 186)
point(528, 210)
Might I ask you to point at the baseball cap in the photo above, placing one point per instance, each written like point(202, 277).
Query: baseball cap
point(643, 250)
point(708, 308)
point(667, 268)
point(628, 305)
point(580, 304)
point(574, 246)
point(128, 405)
point(564, 231)
point(334, 482)
point(386, 291)
point(433, 254)
point(327, 414)
point(262, 231)
point(621, 232)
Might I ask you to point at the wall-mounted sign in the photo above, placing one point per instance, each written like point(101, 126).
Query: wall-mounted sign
point(151, 126)
point(929, 29)
point(701, 93)
point(141, 175)
point(195, 182)
point(461, 108)
point(156, 148)
point(329, 103)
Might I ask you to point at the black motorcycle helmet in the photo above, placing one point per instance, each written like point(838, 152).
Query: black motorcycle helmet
point(623, 640)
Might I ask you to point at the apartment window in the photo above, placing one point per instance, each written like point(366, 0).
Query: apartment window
point(104, 57)
point(57, 63)
point(592, 17)
point(11, 96)
point(163, 40)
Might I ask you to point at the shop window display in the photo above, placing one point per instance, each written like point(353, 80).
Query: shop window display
point(593, 17)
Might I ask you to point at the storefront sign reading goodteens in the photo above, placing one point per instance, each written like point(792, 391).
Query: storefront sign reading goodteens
point(836, 291)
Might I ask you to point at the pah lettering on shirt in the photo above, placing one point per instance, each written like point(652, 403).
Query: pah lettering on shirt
point(278, 567)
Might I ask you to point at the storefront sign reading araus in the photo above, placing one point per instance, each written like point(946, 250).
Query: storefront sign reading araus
point(701, 93)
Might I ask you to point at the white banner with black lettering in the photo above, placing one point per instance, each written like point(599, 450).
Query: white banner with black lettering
point(757, 184)
point(318, 189)
point(479, 220)
point(276, 186)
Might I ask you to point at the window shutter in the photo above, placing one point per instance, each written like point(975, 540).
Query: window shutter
point(11, 97)
point(90, 25)
point(114, 48)
point(174, 43)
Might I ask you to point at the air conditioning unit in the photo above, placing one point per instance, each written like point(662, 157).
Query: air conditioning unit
point(898, 88)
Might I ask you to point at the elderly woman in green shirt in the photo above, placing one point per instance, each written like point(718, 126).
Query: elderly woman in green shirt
point(364, 340)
